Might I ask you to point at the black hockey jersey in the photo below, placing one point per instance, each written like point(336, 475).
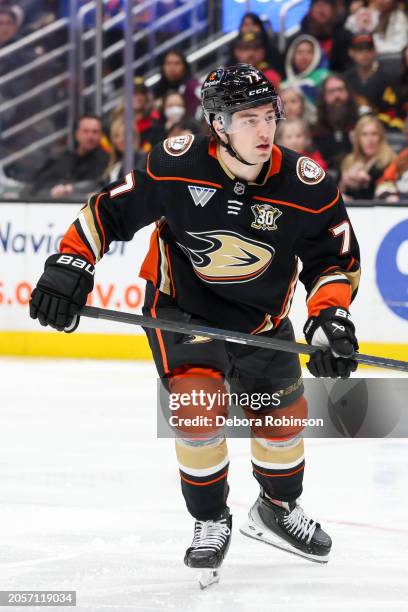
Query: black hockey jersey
point(227, 250)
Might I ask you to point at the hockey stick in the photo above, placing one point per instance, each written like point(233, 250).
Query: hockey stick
point(229, 336)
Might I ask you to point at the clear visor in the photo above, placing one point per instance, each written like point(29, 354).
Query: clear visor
point(252, 119)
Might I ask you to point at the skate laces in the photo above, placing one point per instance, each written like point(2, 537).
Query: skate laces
point(299, 524)
point(210, 535)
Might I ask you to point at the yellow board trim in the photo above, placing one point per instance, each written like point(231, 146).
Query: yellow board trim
point(76, 345)
point(118, 346)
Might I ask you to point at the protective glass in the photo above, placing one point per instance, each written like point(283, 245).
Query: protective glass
point(250, 120)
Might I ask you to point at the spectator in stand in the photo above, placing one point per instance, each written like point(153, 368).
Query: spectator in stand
point(322, 23)
point(296, 105)
point(12, 6)
point(306, 65)
point(176, 76)
point(9, 26)
point(115, 167)
point(402, 87)
point(294, 134)
point(249, 48)
point(9, 33)
point(337, 114)
point(391, 34)
point(370, 82)
point(371, 154)
point(361, 18)
point(75, 173)
point(251, 22)
point(172, 112)
point(145, 115)
point(183, 128)
point(393, 184)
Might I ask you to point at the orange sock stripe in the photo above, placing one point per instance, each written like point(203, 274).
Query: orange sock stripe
point(302, 467)
point(204, 484)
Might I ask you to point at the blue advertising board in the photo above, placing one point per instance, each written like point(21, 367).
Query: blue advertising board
point(233, 10)
point(392, 269)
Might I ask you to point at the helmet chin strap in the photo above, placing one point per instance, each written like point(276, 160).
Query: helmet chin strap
point(228, 146)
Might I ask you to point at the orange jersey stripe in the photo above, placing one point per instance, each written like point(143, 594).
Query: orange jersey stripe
point(276, 161)
point(72, 243)
point(204, 484)
point(99, 222)
point(180, 178)
point(309, 210)
point(264, 322)
point(173, 288)
point(159, 335)
point(150, 265)
point(331, 294)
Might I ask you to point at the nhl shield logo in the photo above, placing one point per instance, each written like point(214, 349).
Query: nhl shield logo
point(239, 188)
point(265, 216)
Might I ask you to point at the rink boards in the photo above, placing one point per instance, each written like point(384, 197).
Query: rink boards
point(30, 232)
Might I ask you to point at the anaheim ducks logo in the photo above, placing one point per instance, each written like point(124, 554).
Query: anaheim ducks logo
point(228, 257)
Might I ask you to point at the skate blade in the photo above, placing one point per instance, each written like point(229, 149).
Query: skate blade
point(207, 577)
point(255, 531)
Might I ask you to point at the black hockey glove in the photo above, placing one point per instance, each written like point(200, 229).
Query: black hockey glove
point(62, 291)
point(332, 329)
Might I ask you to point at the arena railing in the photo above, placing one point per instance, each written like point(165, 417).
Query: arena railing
point(77, 84)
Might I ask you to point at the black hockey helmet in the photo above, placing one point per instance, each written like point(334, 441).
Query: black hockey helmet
point(234, 88)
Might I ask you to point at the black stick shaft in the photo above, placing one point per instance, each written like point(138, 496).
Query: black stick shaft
point(229, 336)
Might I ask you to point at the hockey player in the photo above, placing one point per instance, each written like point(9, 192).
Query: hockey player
point(234, 213)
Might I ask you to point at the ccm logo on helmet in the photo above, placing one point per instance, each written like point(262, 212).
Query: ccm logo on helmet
point(258, 91)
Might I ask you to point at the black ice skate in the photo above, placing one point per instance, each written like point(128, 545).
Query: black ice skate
point(287, 527)
point(209, 547)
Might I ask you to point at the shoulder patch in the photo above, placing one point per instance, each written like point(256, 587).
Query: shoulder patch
point(308, 171)
point(178, 145)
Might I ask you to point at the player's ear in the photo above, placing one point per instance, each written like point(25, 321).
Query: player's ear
point(218, 128)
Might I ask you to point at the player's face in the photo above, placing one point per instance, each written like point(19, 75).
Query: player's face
point(252, 132)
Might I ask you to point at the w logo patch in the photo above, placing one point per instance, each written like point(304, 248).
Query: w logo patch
point(201, 195)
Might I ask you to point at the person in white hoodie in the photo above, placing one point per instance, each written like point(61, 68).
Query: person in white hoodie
point(306, 65)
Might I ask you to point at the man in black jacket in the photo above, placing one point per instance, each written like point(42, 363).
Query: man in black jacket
point(60, 178)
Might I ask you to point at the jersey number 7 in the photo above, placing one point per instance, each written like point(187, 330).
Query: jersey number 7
point(342, 229)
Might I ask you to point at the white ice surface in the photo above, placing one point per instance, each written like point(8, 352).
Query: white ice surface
point(90, 501)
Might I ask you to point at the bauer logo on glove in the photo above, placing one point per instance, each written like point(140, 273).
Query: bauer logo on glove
point(333, 330)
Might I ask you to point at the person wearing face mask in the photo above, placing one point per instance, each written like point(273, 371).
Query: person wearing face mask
point(173, 111)
point(176, 76)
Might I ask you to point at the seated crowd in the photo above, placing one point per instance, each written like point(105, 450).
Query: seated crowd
point(343, 79)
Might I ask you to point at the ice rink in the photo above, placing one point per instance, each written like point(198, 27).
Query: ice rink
point(91, 502)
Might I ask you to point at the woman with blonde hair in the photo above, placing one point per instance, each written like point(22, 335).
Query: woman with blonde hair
point(117, 136)
point(365, 164)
